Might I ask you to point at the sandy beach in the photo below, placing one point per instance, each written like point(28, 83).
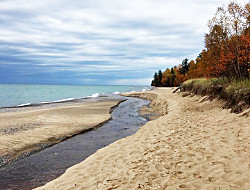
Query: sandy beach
point(195, 144)
point(29, 129)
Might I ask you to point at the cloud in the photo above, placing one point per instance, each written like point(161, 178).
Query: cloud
point(58, 39)
point(134, 81)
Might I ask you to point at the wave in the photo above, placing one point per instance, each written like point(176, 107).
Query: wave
point(94, 95)
point(147, 89)
point(63, 100)
point(23, 105)
point(41, 103)
point(116, 92)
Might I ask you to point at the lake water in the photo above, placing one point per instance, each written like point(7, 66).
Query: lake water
point(27, 94)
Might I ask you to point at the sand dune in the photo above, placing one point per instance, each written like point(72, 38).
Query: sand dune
point(28, 130)
point(197, 145)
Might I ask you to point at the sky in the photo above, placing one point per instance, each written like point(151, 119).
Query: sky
point(99, 42)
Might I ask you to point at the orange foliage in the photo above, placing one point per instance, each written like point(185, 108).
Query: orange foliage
point(227, 49)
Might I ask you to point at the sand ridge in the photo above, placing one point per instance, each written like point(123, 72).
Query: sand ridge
point(197, 145)
point(28, 130)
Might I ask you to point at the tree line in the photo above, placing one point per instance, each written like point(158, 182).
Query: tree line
point(226, 52)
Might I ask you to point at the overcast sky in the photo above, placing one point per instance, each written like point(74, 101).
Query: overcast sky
point(99, 41)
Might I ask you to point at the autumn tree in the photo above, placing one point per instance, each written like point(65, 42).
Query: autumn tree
point(225, 41)
point(192, 73)
point(227, 49)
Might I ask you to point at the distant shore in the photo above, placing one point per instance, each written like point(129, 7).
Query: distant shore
point(195, 144)
point(30, 129)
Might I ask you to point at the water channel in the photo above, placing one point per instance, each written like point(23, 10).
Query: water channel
point(50, 163)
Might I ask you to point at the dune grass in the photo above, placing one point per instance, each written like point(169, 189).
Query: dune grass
point(235, 93)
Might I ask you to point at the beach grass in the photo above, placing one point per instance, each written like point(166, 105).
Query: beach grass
point(236, 93)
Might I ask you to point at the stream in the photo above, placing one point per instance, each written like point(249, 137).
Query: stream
point(48, 164)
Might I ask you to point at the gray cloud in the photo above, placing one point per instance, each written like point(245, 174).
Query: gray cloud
point(102, 36)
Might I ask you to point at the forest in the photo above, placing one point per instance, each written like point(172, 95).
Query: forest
point(226, 53)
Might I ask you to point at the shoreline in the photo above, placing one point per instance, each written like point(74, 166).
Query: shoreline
point(37, 128)
point(196, 145)
point(42, 105)
point(68, 93)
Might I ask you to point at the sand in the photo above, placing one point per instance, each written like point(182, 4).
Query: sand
point(27, 130)
point(196, 145)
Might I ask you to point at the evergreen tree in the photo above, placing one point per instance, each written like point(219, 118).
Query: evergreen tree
point(155, 81)
point(185, 66)
point(160, 77)
point(173, 76)
point(172, 70)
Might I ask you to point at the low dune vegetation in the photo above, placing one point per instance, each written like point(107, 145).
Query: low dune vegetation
point(235, 93)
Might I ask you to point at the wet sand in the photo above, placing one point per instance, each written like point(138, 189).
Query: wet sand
point(31, 129)
point(196, 145)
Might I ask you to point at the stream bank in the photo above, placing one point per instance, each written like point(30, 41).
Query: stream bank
point(50, 163)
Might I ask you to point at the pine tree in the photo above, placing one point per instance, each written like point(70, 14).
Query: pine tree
point(185, 66)
point(159, 78)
